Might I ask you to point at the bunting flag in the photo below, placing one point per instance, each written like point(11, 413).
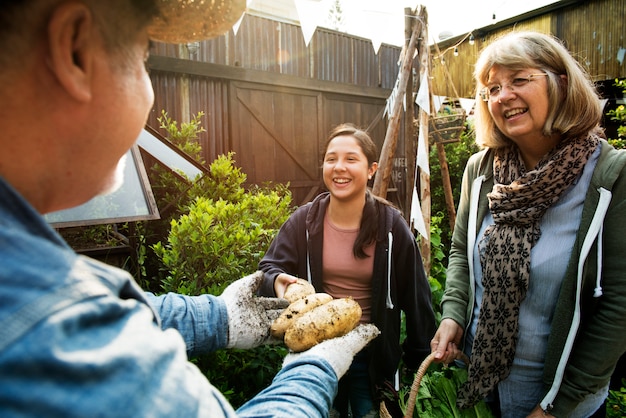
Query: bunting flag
point(391, 100)
point(438, 102)
point(421, 161)
point(394, 93)
point(376, 42)
point(371, 21)
point(310, 12)
point(417, 218)
point(423, 94)
point(467, 104)
point(238, 23)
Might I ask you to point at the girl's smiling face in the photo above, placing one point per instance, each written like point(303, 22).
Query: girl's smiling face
point(346, 169)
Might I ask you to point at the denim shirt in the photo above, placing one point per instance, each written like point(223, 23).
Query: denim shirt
point(79, 338)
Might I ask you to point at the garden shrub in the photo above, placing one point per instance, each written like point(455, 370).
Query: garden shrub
point(220, 237)
point(218, 241)
point(619, 115)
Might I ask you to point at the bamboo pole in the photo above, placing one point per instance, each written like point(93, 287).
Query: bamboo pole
point(410, 144)
point(424, 177)
point(385, 162)
point(447, 187)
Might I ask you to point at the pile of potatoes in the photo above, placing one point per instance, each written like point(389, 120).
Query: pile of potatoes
point(313, 317)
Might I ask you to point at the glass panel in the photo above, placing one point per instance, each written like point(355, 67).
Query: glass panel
point(133, 201)
point(169, 156)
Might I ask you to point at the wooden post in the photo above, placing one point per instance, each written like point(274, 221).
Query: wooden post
point(424, 178)
point(410, 144)
point(447, 187)
point(425, 200)
point(385, 162)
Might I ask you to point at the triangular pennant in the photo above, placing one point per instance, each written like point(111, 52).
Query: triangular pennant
point(467, 104)
point(376, 43)
point(373, 22)
point(417, 218)
point(310, 12)
point(421, 160)
point(438, 102)
point(391, 100)
point(423, 95)
point(238, 23)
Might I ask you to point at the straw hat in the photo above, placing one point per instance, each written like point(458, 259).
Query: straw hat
point(183, 21)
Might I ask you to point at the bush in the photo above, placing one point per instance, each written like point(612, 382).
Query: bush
point(616, 402)
point(619, 115)
point(218, 241)
point(437, 278)
point(220, 237)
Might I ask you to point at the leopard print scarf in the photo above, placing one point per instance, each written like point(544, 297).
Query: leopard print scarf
point(517, 202)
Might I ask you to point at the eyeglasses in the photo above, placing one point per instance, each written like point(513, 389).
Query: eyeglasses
point(492, 92)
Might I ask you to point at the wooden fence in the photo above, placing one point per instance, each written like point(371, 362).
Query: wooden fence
point(272, 100)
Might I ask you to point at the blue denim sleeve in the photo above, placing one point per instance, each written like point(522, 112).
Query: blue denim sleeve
point(304, 388)
point(104, 357)
point(202, 321)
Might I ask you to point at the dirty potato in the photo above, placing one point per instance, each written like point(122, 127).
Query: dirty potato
point(295, 310)
point(330, 320)
point(298, 290)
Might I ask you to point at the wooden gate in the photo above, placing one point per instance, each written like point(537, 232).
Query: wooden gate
point(276, 136)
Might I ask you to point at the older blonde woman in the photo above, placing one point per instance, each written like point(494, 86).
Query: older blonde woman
point(536, 292)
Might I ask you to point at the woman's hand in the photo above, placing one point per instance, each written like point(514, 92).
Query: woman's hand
point(281, 282)
point(446, 341)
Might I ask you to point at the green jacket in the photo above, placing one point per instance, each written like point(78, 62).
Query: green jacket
point(588, 332)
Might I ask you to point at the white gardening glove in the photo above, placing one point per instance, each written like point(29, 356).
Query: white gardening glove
point(250, 316)
point(339, 351)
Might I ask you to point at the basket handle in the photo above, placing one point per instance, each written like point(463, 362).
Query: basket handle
point(410, 406)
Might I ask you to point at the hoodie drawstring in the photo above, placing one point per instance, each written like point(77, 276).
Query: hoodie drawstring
point(308, 260)
point(594, 233)
point(598, 289)
point(389, 302)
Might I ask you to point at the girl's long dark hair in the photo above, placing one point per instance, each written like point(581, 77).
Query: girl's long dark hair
point(368, 230)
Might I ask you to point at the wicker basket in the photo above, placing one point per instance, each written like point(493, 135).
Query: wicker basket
point(446, 128)
point(417, 380)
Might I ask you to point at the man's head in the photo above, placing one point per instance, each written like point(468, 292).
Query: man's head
point(75, 89)
point(22, 21)
point(170, 21)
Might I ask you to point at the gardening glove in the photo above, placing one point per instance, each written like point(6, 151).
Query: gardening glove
point(339, 351)
point(250, 316)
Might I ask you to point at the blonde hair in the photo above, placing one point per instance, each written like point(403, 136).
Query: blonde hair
point(573, 100)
